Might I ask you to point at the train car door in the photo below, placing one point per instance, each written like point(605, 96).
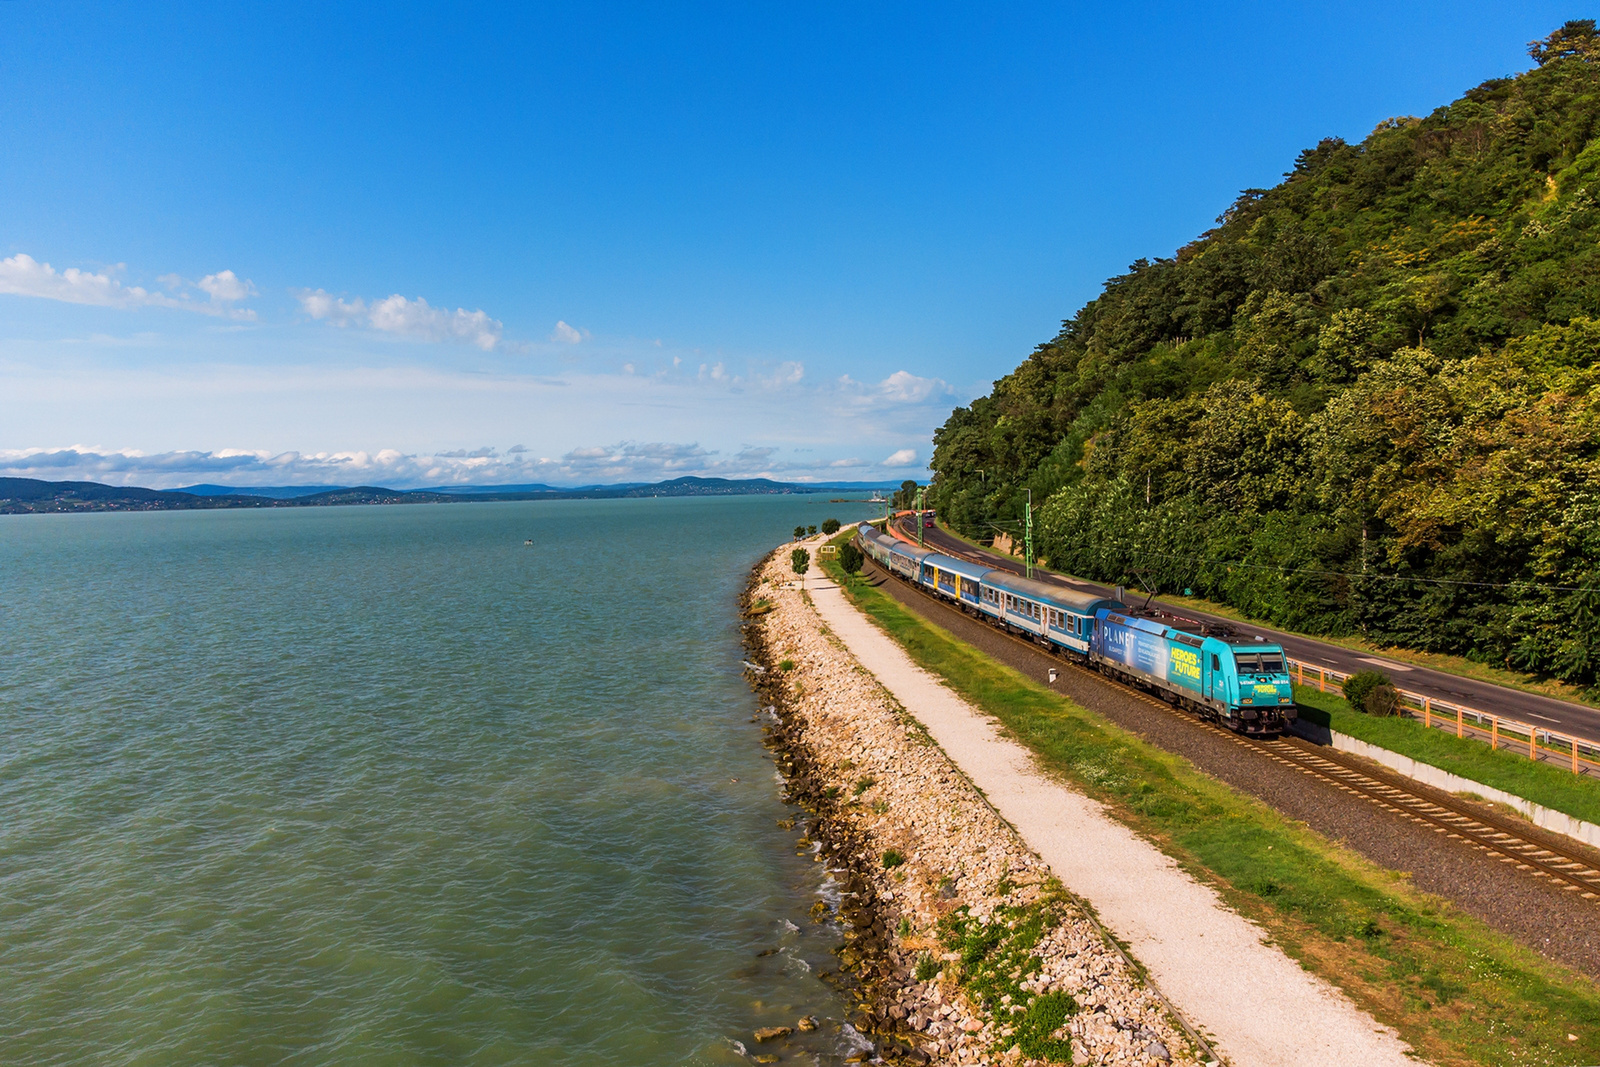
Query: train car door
point(1216, 678)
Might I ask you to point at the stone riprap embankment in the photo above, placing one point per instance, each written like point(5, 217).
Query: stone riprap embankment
point(962, 947)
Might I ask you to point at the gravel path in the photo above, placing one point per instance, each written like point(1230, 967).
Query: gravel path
point(1559, 924)
point(1261, 1006)
point(961, 949)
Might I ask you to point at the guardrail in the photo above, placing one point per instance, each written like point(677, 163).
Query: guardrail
point(1580, 755)
point(1549, 746)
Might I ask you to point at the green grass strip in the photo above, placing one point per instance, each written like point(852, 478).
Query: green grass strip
point(1549, 784)
point(1445, 663)
point(1457, 990)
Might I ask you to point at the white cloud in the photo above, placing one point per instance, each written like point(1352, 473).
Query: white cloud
point(906, 457)
point(416, 319)
point(225, 287)
point(566, 335)
point(902, 387)
point(22, 275)
point(789, 373)
point(852, 462)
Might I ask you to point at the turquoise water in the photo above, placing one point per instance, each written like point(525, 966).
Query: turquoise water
point(383, 784)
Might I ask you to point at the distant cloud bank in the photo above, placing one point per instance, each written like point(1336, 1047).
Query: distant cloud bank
point(625, 461)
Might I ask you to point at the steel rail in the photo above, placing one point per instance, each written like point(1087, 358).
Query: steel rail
point(1509, 842)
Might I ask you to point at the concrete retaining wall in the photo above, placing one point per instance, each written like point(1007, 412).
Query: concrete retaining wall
point(1554, 821)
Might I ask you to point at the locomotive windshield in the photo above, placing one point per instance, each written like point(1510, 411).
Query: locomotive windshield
point(1259, 662)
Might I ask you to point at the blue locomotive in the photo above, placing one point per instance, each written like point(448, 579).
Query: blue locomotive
point(1240, 682)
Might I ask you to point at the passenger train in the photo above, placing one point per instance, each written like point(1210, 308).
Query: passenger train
point(1242, 683)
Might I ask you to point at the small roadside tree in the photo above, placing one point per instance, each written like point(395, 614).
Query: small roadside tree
point(1382, 701)
point(850, 558)
point(799, 532)
point(1361, 684)
point(830, 526)
point(811, 531)
point(800, 561)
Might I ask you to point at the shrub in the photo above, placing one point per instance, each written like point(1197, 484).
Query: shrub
point(927, 967)
point(1358, 685)
point(786, 664)
point(1381, 700)
point(850, 558)
point(800, 560)
point(893, 858)
point(830, 526)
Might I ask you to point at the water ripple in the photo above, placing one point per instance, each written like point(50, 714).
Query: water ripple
point(356, 784)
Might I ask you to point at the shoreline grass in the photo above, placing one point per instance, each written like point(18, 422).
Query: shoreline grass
point(1458, 991)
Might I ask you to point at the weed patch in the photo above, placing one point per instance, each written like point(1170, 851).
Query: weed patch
point(995, 957)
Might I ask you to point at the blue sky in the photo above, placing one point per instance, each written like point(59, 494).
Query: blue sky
point(411, 245)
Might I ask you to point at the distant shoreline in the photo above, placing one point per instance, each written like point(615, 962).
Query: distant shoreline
point(29, 496)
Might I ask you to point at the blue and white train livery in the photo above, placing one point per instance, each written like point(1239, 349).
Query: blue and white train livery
point(1240, 682)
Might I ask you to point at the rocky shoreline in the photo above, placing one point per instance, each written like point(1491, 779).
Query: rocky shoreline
point(960, 948)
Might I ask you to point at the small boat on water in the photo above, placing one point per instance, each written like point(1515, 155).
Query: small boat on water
point(529, 541)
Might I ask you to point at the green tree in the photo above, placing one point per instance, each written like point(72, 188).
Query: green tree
point(799, 532)
point(1575, 39)
point(811, 531)
point(830, 526)
point(850, 558)
point(800, 561)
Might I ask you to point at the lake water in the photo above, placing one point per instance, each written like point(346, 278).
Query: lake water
point(383, 784)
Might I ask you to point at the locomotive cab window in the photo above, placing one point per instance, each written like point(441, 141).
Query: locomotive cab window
point(1216, 664)
point(1271, 663)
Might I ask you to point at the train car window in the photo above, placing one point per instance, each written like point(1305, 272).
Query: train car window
point(1271, 663)
point(1216, 664)
point(1249, 662)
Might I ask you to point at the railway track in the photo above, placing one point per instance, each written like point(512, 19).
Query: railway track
point(1542, 855)
point(1504, 839)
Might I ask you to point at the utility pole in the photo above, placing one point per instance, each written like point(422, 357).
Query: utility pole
point(921, 496)
point(1027, 535)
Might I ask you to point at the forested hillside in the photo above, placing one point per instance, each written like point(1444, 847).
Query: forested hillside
point(1365, 402)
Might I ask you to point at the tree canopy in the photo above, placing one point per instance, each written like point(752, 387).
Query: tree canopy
point(1366, 401)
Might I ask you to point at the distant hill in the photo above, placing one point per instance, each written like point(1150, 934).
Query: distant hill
point(28, 495)
point(277, 492)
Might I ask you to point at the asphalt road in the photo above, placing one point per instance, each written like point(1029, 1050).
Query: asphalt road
point(1540, 711)
point(1545, 917)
